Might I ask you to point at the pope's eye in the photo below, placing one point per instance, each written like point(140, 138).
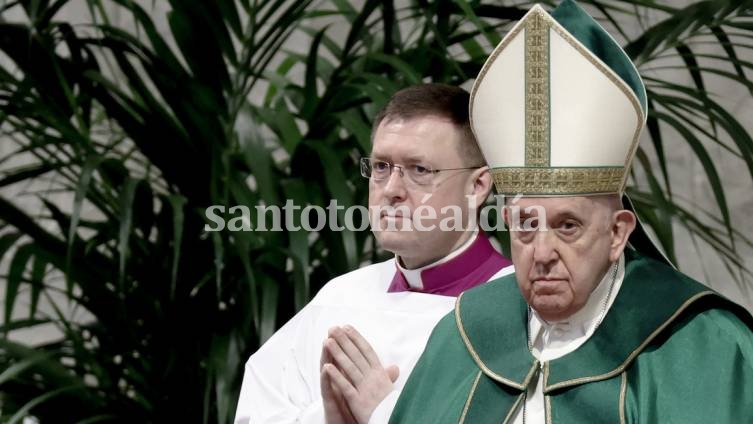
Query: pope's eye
point(523, 233)
point(568, 227)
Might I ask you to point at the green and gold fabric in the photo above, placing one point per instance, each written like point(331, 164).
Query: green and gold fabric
point(558, 110)
point(648, 362)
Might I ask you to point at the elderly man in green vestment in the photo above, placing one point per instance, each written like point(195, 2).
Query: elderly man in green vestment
point(590, 328)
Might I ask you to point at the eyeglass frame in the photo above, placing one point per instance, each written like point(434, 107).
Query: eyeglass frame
point(365, 163)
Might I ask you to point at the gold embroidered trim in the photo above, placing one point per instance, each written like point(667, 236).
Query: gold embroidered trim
point(477, 359)
point(548, 409)
point(558, 181)
point(633, 354)
point(623, 389)
point(470, 396)
point(537, 91)
point(511, 413)
point(531, 373)
point(537, 147)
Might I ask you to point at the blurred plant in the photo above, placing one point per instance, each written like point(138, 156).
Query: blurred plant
point(122, 135)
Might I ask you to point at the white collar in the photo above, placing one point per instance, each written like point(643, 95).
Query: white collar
point(413, 276)
point(551, 340)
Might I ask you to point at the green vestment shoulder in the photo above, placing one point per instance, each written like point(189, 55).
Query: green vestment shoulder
point(669, 350)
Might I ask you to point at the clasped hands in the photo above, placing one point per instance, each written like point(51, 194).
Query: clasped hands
point(353, 381)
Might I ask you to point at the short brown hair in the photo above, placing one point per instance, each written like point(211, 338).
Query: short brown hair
point(439, 100)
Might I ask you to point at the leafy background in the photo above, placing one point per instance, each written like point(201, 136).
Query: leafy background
point(123, 121)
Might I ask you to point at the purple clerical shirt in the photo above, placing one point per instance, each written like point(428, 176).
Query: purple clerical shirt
point(476, 265)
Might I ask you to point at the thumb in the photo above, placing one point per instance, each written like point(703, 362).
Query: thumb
point(393, 372)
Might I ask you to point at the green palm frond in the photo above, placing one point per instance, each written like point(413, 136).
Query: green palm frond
point(122, 131)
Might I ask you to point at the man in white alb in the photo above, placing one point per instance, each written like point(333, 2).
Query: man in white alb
point(423, 153)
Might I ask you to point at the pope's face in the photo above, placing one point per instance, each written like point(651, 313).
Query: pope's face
point(563, 258)
point(429, 142)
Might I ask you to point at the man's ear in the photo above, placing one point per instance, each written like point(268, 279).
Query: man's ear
point(481, 185)
point(623, 224)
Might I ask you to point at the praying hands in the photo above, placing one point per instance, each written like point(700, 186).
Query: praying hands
point(353, 381)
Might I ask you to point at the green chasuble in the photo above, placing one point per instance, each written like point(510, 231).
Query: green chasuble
point(669, 350)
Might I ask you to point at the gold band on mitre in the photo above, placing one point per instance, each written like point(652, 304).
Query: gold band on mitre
point(558, 181)
point(558, 107)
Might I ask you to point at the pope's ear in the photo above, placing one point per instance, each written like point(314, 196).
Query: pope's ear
point(623, 224)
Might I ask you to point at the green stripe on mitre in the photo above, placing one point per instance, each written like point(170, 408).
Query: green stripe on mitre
point(598, 41)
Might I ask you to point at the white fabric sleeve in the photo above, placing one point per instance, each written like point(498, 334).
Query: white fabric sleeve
point(276, 388)
point(381, 414)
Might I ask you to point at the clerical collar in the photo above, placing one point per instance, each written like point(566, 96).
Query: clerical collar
point(551, 340)
point(471, 264)
point(413, 276)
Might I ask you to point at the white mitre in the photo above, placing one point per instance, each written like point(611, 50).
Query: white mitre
point(558, 107)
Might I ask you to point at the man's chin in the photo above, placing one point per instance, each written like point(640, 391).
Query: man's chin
point(549, 308)
point(396, 242)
